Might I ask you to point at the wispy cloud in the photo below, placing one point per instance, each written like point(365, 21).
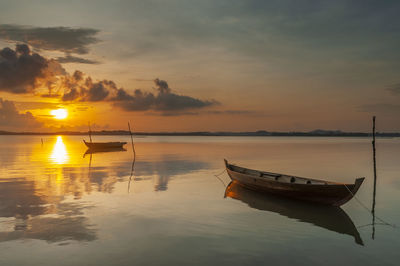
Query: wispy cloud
point(36, 105)
point(394, 88)
point(234, 112)
point(63, 39)
point(208, 112)
point(74, 59)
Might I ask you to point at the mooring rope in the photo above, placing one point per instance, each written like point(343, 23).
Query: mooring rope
point(217, 176)
point(223, 171)
point(365, 225)
point(366, 208)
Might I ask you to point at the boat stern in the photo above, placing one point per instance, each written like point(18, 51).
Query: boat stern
point(352, 191)
point(357, 184)
point(226, 163)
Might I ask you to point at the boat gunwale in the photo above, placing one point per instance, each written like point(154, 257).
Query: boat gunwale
point(271, 175)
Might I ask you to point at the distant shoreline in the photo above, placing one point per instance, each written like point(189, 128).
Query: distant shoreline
point(261, 133)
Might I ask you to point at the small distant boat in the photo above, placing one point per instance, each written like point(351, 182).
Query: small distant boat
point(104, 145)
point(301, 188)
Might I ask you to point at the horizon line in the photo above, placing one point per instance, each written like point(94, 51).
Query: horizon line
point(316, 132)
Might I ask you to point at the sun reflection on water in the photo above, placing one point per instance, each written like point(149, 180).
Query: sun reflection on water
point(59, 155)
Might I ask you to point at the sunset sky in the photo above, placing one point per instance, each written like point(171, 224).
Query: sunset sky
point(199, 65)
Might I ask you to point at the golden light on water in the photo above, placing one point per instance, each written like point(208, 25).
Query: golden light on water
point(59, 154)
point(59, 113)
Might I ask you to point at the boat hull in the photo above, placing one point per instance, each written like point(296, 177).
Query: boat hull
point(328, 193)
point(104, 145)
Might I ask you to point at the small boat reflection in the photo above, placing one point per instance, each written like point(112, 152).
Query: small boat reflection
point(102, 150)
point(328, 217)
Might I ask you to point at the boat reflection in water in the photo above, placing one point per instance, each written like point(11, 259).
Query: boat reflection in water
point(102, 150)
point(328, 217)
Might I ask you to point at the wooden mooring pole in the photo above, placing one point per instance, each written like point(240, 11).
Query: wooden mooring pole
point(90, 132)
point(134, 157)
point(374, 192)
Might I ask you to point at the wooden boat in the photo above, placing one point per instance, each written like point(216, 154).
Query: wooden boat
point(301, 188)
point(104, 145)
point(332, 218)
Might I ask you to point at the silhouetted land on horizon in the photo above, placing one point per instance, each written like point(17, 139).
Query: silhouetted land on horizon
point(260, 133)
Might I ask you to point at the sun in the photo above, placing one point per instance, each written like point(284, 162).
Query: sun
point(59, 113)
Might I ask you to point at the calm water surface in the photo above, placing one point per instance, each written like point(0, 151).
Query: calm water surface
point(59, 206)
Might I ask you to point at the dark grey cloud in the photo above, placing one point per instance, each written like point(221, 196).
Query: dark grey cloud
point(74, 59)
point(176, 102)
point(165, 100)
point(98, 91)
point(394, 88)
point(139, 101)
point(64, 39)
point(20, 69)
point(162, 86)
point(11, 119)
point(80, 88)
point(71, 95)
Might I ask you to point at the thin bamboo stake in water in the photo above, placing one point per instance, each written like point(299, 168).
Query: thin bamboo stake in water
point(90, 133)
point(134, 157)
point(130, 132)
point(374, 193)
